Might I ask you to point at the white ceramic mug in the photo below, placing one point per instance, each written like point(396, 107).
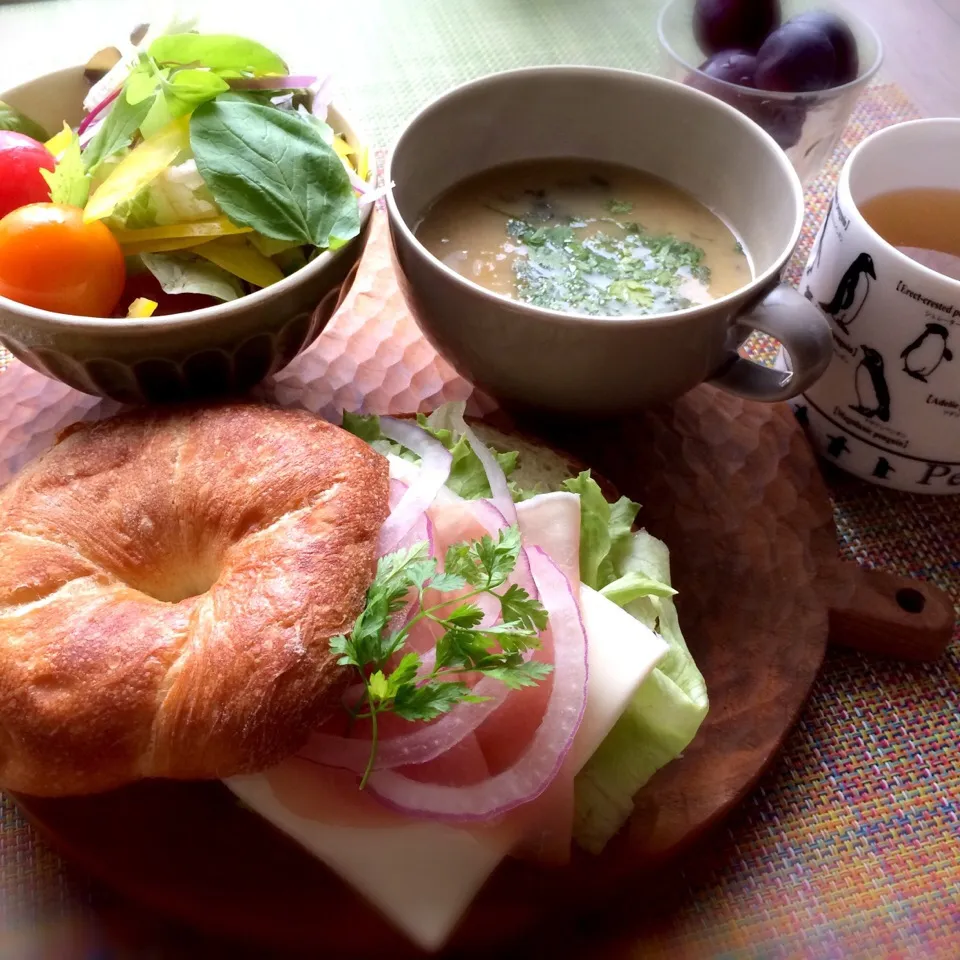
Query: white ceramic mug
point(888, 407)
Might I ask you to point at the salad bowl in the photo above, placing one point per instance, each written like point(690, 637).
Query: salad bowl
point(225, 348)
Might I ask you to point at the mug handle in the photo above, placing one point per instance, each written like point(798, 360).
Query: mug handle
point(805, 334)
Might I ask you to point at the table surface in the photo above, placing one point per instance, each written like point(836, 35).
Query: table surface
point(848, 848)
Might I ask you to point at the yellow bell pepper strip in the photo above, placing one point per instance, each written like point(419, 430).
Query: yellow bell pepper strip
point(138, 168)
point(163, 246)
point(60, 141)
point(343, 149)
point(357, 157)
point(215, 227)
point(176, 236)
point(239, 257)
point(141, 308)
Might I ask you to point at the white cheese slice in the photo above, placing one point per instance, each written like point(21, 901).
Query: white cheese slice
point(423, 876)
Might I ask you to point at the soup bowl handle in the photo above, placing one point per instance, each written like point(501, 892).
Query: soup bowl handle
point(806, 337)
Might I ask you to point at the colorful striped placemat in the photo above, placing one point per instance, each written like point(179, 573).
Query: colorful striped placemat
point(847, 849)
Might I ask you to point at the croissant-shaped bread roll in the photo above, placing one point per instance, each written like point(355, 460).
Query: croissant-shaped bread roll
point(169, 581)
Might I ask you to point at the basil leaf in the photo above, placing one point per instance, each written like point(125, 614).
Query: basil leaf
point(195, 86)
point(181, 94)
point(142, 81)
point(184, 273)
point(117, 130)
point(271, 170)
point(221, 52)
point(12, 119)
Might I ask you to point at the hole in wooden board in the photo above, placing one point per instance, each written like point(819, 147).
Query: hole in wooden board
point(913, 601)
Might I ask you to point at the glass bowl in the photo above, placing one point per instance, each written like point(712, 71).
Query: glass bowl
point(807, 126)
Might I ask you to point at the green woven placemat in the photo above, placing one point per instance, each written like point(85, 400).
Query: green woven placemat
point(389, 56)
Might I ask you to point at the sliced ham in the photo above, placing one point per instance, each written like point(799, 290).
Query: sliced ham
point(493, 763)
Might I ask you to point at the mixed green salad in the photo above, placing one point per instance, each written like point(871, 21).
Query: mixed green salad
point(212, 167)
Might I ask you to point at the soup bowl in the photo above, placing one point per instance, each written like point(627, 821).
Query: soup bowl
point(220, 349)
point(528, 356)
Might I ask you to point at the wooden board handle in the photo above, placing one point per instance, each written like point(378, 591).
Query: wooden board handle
point(892, 616)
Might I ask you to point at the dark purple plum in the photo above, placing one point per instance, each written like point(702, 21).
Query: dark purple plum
point(796, 58)
point(783, 120)
point(720, 25)
point(838, 32)
point(733, 66)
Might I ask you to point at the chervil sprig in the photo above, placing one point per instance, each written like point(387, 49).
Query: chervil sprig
point(404, 687)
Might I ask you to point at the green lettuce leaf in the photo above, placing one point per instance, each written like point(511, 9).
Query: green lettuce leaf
point(186, 273)
point(223, 53)
point(69, 183)
point(664, 715)
point(467, 477)
point(604, 530)
point(632, 586)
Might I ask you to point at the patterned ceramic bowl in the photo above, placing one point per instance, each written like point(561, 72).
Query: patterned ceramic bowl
point(221, 349)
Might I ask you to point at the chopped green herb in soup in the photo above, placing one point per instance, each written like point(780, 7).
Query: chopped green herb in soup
point(585, 238)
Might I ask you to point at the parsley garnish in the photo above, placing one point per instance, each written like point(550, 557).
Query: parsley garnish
point(616, 270)
point(401, 686)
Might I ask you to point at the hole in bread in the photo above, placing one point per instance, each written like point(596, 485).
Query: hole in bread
point(176, 581)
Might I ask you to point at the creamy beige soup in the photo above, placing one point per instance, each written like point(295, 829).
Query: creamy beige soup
point(585, 237)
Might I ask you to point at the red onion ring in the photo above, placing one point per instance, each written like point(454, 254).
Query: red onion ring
point(497, 479)
point(427, 742)
point(435, 463)
point(544, 756)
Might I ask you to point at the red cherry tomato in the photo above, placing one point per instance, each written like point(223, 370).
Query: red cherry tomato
point(145, 284)
point(51, 259)
point(21, 160)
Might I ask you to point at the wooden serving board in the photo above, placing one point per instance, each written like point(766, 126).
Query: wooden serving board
point(733, 489)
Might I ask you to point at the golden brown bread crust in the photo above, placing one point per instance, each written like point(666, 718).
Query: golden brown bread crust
point(168, 584)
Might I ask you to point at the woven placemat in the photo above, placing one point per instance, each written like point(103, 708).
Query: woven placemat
point(848, 848)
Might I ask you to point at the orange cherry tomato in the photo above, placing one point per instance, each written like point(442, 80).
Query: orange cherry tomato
point(51, 259)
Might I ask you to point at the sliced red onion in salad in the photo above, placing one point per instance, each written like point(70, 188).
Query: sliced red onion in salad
point(321, 95)
point(357, 182)
point(91, 131)
point(435, 463)
point(96, 111)
point(540, 763)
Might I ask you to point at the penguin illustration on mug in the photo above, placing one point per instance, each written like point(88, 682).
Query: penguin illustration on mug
point(851, 292)
point(927, 352)
point(873, 394)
